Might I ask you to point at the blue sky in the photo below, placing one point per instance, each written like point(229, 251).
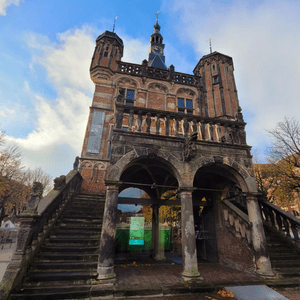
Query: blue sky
point(46, 48)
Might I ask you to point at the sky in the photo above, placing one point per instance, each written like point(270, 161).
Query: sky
point(46, 49)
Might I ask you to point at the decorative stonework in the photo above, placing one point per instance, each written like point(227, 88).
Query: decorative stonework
point(158, 87)
point(127, 82)
point(91, 164)
point(35, 197)
point(59, 182)
point(190, 149)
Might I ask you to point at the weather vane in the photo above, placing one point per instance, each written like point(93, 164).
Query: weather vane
point(157, 16)
point(114, 24)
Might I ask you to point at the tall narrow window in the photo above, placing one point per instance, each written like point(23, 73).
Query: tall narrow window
point(185, 106)
point(96, 129)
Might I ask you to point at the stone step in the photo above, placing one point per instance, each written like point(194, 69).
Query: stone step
point(67, 262)
point(284, 264)
point(82, 221)
point(288, 272)
point(59, 276)
point(48, 256)
point(77, 216)
point(70, 249)
point(80, 226)
point(280, 250)
point(285, 257)
point(59, 283)
point(53, 292)
point(79, 235)
point(87, 228)
point(67, 266)
point(72, 241)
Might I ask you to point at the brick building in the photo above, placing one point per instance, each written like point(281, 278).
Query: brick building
point(159, 130)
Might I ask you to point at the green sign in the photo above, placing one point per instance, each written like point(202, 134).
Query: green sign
point(136, 233)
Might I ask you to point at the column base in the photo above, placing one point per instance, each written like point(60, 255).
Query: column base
point(106, 275)
point(160, 257)
point(189, 277)
point(265, 274)
point(264, 268)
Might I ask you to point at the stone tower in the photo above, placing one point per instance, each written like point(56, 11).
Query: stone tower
point(161, 130)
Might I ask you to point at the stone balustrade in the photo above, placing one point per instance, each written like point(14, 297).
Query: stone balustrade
point(281, 220)
point(151, 121)
point(150, 72)
point(34, 229)
point(237, 222)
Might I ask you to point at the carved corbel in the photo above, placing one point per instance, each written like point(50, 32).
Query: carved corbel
point(190, 148)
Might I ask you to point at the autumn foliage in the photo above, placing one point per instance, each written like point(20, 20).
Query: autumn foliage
point(16, 181)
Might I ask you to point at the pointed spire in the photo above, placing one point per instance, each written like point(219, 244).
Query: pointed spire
point(156, 49)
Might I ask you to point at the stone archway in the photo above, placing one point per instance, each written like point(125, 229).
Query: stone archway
point(210, 182)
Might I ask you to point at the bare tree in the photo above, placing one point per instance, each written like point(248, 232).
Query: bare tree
point(16, 181)
point(284, 154)
point(284, 159)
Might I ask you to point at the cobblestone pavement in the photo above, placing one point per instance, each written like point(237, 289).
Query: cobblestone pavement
point(291, 294)
point(157, 274)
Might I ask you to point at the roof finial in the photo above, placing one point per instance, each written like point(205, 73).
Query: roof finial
point(210, 44)
point(157, 16)
point(114, 24)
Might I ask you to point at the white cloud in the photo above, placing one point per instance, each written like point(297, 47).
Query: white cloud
point(263, 40)
point(5, 3)
point(61, 123)
point(135, 50)
point(6, 111)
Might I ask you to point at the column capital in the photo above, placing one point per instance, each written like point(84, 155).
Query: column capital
point(186, 189)
point(113, 183)
point(251, 195)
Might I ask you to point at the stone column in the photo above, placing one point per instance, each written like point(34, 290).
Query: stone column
point(159, 251)
point(189, 252)
point(106, 272)
point(262, 260)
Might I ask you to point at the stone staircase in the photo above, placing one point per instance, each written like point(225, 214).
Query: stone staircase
point(285, 260)
point(67, 262)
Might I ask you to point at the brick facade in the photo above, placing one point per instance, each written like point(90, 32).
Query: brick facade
point(140, 131)
point(212, 91)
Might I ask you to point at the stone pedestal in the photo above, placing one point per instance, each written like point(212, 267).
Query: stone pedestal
point(189, 252)
point(262, 260)
point(106, 272)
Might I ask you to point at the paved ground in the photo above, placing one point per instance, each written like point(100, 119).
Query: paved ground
point(6, 251)
point(142, 275)
point(170, 274)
